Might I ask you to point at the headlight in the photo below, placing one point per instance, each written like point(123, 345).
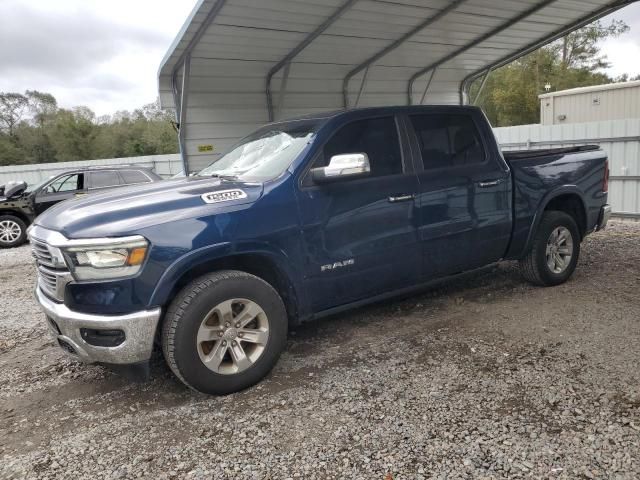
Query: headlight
point(112, 258)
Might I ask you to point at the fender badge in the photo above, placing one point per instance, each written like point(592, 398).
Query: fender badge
point(224, 196)
point(334, 266)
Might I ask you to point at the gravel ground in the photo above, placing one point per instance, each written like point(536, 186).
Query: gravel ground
point(484, 377)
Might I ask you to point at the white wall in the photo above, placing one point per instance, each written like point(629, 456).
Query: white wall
point(619, 138)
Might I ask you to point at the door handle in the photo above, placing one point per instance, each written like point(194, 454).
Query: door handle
point(490, 183)
point(401, 198)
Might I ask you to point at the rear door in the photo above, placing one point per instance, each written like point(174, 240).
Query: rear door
point(464, 195)
point(360, 234)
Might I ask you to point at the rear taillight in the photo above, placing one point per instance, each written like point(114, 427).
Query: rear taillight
point(605, 183)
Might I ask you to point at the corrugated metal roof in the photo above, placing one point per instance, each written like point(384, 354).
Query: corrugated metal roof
point(332, 54)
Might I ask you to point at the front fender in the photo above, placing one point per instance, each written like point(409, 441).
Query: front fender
point(196, 258)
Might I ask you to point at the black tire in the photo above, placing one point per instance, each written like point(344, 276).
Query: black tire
point(534, 266)
point(186, 314)
point(17, 222)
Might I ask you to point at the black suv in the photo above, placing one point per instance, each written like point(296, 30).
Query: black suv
point(20, 204)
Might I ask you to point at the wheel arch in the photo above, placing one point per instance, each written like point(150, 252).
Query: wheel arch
point(270, 266)
point(16, 213)
point(568, 199)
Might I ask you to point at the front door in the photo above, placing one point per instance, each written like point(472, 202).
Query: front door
point(465, 194)
point(360, 234)
point(62, 188)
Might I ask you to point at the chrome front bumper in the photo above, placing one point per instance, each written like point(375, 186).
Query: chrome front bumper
point(605, 215)
point(139, 329)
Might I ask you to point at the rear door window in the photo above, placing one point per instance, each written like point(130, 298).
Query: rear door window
point(448, 140)
point(131, 177)
point(103, 179)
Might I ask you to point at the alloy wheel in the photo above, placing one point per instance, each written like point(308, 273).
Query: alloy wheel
point(559, 250)
point(10, 231)
point(232, 336)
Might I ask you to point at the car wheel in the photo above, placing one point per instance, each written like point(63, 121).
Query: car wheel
point(13, 231)
point(554, 252)
point(224, 332)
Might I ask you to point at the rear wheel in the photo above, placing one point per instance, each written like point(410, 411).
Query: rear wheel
point(554, 252)
point(13, 231)
point(224, 332)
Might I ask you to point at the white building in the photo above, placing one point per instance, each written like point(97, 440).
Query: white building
point(605, 115)
point(614, 101)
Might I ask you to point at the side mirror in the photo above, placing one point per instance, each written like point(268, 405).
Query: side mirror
point(342, 167)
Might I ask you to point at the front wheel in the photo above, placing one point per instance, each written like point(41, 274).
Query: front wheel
point(224, 332)
point(13, 231)
point(554, 252)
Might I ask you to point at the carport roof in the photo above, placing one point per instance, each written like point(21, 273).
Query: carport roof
point(372, 52)
point(238, 64)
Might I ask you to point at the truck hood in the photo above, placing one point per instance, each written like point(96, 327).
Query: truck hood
point(128, 210)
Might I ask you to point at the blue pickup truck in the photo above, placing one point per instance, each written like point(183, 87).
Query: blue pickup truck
point(302, 219)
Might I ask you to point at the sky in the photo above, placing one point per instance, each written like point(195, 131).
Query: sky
point(623, 52)
point(105, 54)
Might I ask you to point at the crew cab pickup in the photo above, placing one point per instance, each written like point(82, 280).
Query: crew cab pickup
point(302, 219)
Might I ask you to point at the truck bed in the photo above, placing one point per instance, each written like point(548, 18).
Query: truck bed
point(515, 155)
point(539, 175)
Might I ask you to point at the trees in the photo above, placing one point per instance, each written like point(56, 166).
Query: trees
point(145, 131)
point(33, 134)
point(10, 152)
point(12, 109)
point(580, 50)
point(33, 129)
point(43, 106)
point(74, 132)
point(510, 96)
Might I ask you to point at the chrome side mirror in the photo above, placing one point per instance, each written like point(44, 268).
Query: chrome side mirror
point(342, 167)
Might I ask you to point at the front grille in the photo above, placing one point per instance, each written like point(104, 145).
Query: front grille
point(48, 280)
point(41, 253)
point(51, 278)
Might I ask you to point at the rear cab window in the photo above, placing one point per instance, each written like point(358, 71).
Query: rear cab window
point(448, 140)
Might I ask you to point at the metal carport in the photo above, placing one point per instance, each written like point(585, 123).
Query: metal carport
point(237, 64)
